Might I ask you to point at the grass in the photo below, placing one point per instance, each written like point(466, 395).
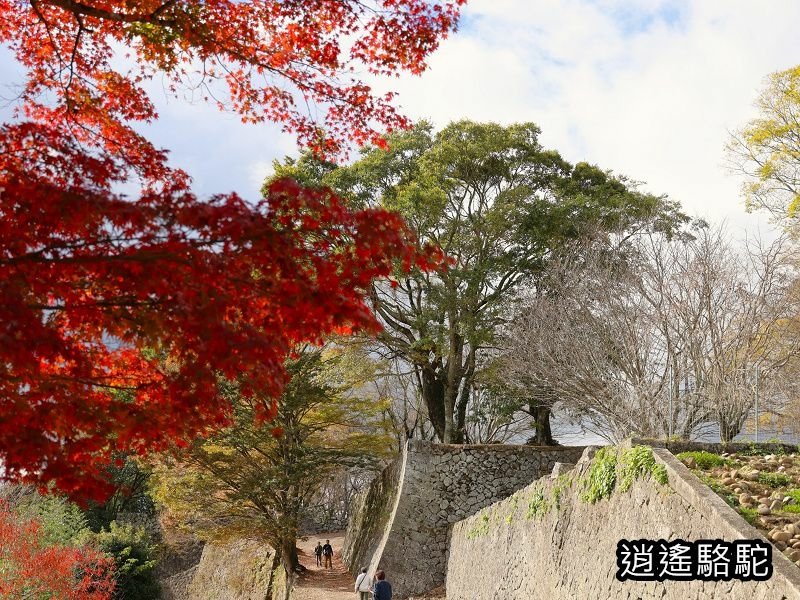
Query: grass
point(617, 469)
point(704, 460)
point(720, 490)
point(774, 480)
point(637, 462)
point(749, 514)
point(794, 494)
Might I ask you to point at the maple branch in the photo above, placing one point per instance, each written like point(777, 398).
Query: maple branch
point(78, 8)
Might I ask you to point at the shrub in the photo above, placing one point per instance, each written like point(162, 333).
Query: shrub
point(33, 568)
point(61, 521)
point(132, 553)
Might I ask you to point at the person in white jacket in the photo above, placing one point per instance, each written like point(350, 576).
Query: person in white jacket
point(362, 585)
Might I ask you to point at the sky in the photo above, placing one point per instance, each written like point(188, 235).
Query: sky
point(648, 88)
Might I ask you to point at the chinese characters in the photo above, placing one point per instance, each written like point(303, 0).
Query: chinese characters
point(709, 560)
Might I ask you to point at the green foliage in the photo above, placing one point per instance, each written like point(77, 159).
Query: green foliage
point(482, 527)
point(130, 479)
point(794, 494)
point(538, 506)
point(722, 491)
point(64, 524)
point(62, 521)
point(500, 206)
point(792, 508)
point(255, 478)
point(767, 150)
point(750, 514)
point(563, 483)
point(774, 480)
point(599, 483)
point(754, 449)
point(134, 557)
point(637, 462)
point(704, 460)
point(613, 468)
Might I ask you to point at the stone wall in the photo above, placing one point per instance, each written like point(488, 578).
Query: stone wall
point(545, 542)
point(437, 485)
point(678, 446)
point(371, 516)
point(237, 570)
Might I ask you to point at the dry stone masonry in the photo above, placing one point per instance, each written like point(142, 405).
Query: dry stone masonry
point(547, 542)
point(403, 520)
point(371, 516)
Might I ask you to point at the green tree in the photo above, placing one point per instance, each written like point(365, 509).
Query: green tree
point(499, 205)
point(130, 496)
point(255, 480)
point(767, 149)
point(62, 522)
point(134, 559)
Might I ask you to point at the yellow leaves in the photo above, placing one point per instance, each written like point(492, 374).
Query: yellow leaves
point(794, 205)
point(767, 150)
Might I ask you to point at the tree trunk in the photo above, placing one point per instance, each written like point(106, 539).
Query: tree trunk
point(290, 562)
point(450, 429)
point(276, 562)
point(543, 436)
point(432, 388)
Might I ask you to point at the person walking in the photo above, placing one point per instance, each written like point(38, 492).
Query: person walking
point(318, 553)
point(327, 554)
point(362, 585)
point(382, 590)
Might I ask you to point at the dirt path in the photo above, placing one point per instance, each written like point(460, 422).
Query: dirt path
point(318, 583)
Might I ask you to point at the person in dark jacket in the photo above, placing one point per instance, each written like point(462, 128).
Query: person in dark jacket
point(318, 553)
point(382, 590)
point(327, 554)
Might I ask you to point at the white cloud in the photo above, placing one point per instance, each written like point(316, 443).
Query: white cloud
point(650, 89)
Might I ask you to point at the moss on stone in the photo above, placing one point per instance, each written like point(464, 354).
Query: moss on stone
point(563, 483)
point(601, 479)
point(616, 469)
point(538, 506)
point(482, 528)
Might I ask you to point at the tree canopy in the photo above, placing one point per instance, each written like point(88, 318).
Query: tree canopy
point(767, 150)
point(256, 480)
point(118, 312)
point(498, 204)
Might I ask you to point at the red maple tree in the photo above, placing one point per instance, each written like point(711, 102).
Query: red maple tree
point(32, 569)
point(118, 314)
